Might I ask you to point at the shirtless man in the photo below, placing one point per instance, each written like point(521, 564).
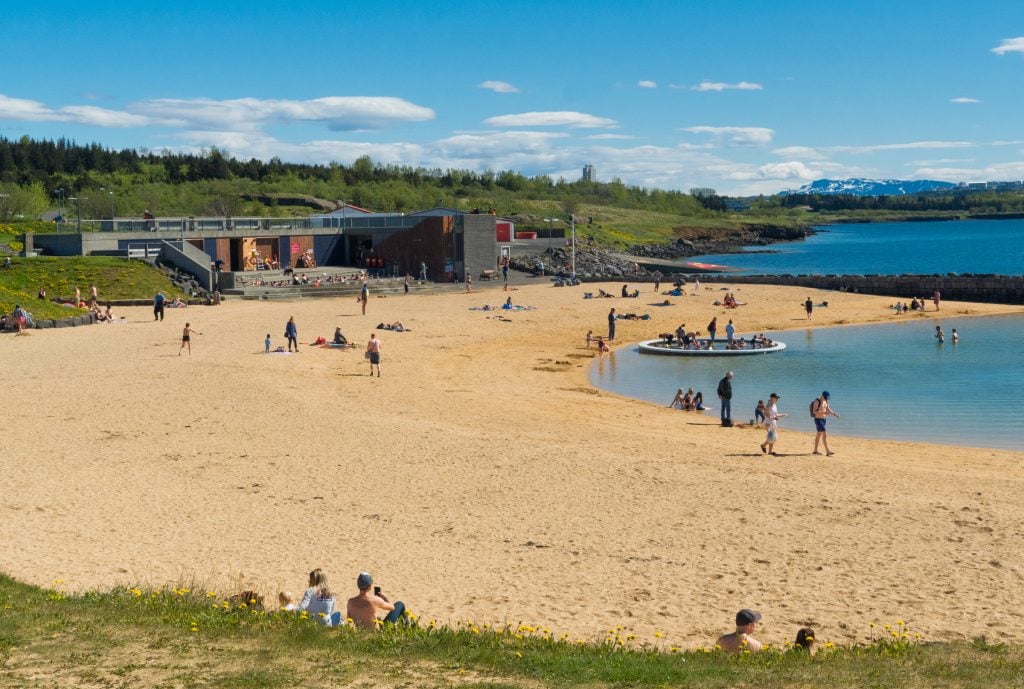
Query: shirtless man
point(821, 412)
point(362, 609)
point(740, 640)
point(373, 349)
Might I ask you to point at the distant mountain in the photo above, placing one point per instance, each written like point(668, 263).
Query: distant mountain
point(870, 187)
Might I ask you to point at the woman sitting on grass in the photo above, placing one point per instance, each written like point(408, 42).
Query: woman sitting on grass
point(318, 601)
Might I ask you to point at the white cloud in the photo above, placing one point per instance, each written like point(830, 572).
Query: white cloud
point(575, 120)
point(499, 86)
point(647, 84)
point(609, 137)
point(781, 171)
point(722, 86)
point(337, 112)
point(806, 152)
point(737, 136)
point(25, 110)
point(34, 111)
point(902, 146)
point(1009, 45)
point(963, 99)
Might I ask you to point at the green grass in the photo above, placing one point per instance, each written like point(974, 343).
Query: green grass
point(620, 227)
point(137, 638)
point(115, 278)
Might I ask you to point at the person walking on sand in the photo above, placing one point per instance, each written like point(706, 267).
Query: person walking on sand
point(936, 298)
point(266, 344)
point(821, 410)
point(186, 338)
point(773, 416)
point(364, 295)
point(939, 335)
point(291, 332)
point(809, 308)
point(469, 282)
point(405, 284)
point(423, 271)
point(725, 394)
point(373, 353)
point(158, 306)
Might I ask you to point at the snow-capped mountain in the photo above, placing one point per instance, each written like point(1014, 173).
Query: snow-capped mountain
point(870, 187)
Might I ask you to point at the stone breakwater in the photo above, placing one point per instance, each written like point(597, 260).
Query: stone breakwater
point(994, 289)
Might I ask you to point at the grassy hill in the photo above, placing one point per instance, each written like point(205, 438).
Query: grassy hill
point(183, 637)
point(115, 278)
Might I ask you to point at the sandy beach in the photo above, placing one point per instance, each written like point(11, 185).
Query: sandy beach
point(481, 476)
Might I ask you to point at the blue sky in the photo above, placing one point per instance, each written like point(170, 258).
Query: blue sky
point(744, 97)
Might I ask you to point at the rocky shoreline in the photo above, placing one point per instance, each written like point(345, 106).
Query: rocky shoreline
point(595, 262)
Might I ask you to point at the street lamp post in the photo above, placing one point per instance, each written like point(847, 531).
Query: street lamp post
point(572, 218)
point(59, 193)
point(111, 193)
point(78, 204)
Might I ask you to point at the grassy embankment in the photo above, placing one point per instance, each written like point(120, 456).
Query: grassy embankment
point(182, 637)
point(115, 278)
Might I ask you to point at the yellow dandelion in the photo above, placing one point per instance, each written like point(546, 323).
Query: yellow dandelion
point(658, 635)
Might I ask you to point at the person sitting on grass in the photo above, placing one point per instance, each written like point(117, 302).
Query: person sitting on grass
point(318, 601)
point(804, 640)
point(363, 608)
point(287, 601)
point(741, 639)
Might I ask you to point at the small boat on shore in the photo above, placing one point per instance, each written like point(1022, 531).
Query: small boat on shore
point(675, 348)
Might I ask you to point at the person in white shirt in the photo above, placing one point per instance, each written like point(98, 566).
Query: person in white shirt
point(772, 416)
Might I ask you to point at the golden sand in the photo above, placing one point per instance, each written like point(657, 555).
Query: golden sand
point(482, 477)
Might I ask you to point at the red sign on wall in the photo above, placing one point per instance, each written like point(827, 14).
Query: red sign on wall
point(296, 248)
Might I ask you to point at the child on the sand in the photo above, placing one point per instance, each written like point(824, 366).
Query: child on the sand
point(266, 344)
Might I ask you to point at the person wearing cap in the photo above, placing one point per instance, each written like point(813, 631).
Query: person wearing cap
point(725, 394)
point(741, 639)
point(821, 411)
point(362, 609)
point(772, 415)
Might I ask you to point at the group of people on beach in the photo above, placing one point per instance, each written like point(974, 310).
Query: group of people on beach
point(768, 415)
point(687, 401)
point(362, 610)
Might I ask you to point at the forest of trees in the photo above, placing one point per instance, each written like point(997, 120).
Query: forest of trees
point(962, 201)
point(169, 183)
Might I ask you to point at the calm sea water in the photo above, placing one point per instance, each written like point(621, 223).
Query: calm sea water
point(965, 246)
point(887, 381)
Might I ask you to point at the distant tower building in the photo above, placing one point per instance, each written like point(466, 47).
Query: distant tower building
point(589, 173)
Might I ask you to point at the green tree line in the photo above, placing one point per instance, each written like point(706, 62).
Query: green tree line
point(103, 181)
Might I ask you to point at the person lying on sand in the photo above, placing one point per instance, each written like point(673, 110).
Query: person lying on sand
point(396, 326)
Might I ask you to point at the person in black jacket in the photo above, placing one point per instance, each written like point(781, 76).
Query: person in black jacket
point(725, 394)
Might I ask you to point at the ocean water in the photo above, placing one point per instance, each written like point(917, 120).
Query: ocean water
point(890, 380)
point(964, 246)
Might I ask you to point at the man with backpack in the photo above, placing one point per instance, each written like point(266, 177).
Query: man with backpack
point(820, 411)
point(725, 394)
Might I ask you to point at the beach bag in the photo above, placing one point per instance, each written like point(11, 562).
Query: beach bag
point(366, 355)
point(814, 406)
